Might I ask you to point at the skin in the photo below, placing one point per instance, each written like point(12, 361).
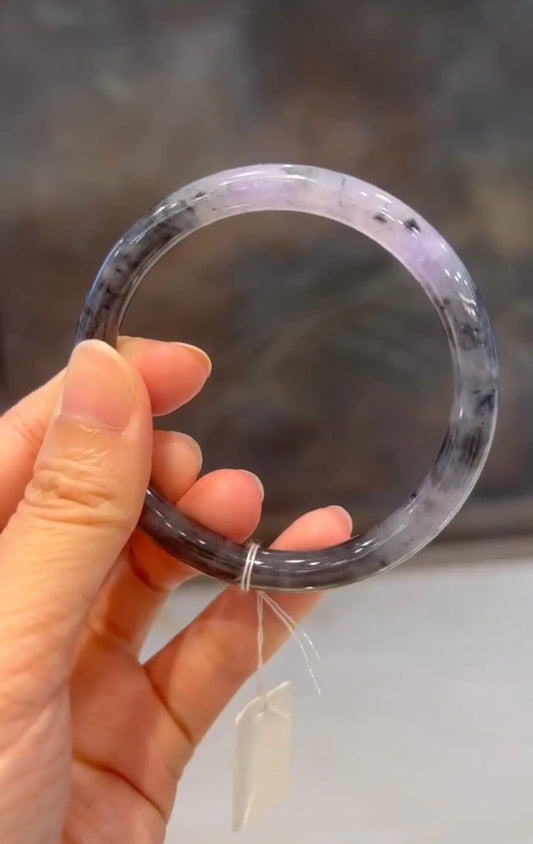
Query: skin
point(92, 741)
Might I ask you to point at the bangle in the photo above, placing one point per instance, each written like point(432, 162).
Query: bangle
point(441, 274)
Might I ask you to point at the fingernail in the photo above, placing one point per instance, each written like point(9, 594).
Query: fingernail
point(200, 355)
point(257, 481)
point(98, 388)
point(180, 437)
point(344, 513)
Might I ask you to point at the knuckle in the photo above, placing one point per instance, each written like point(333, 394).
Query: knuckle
point(67, 490)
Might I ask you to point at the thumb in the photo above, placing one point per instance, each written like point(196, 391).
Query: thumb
point(81, 505)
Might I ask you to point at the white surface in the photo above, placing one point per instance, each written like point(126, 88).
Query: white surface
point(424, 733)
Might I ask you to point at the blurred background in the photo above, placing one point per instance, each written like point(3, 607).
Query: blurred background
point(331, 377)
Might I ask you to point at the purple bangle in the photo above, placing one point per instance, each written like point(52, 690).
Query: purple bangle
point(386, 220)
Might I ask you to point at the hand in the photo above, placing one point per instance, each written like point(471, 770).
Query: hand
point(92, 741)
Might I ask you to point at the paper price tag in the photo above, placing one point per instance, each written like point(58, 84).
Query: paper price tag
point(262, 755)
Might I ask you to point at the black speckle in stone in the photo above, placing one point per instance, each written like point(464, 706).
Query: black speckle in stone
point(441, 459)
point(485, 401)
point(468, 336)
point(445, 446)
point(122, 267)
point(470, 447)
point(443, 306)
point(411, 225)
point(380, 218)
point(199, 195)
point(109, 289)
point(171, 227)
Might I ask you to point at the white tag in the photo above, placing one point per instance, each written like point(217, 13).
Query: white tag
point(262, 755)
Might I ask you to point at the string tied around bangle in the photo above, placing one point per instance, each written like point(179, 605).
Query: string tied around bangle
point(301, 638)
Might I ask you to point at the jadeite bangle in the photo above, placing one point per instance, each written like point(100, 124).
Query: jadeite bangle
point(421, 249)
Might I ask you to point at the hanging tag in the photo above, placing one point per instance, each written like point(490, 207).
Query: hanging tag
point(262, 754)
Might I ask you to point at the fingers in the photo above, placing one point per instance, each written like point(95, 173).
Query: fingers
point(315, 530)
point(227, 501)
point(22, 430)
point(79, 509)
point(199, 671)
point(173, 373)
point(176, 463)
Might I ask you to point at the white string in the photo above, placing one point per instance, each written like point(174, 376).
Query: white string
point(290, 624)
point(246, 577)
point(282, 615)
point(260, 643)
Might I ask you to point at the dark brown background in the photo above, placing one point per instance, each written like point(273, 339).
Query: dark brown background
point(331, 373)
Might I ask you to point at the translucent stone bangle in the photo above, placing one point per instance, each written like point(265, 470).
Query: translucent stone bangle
point(433, 264)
